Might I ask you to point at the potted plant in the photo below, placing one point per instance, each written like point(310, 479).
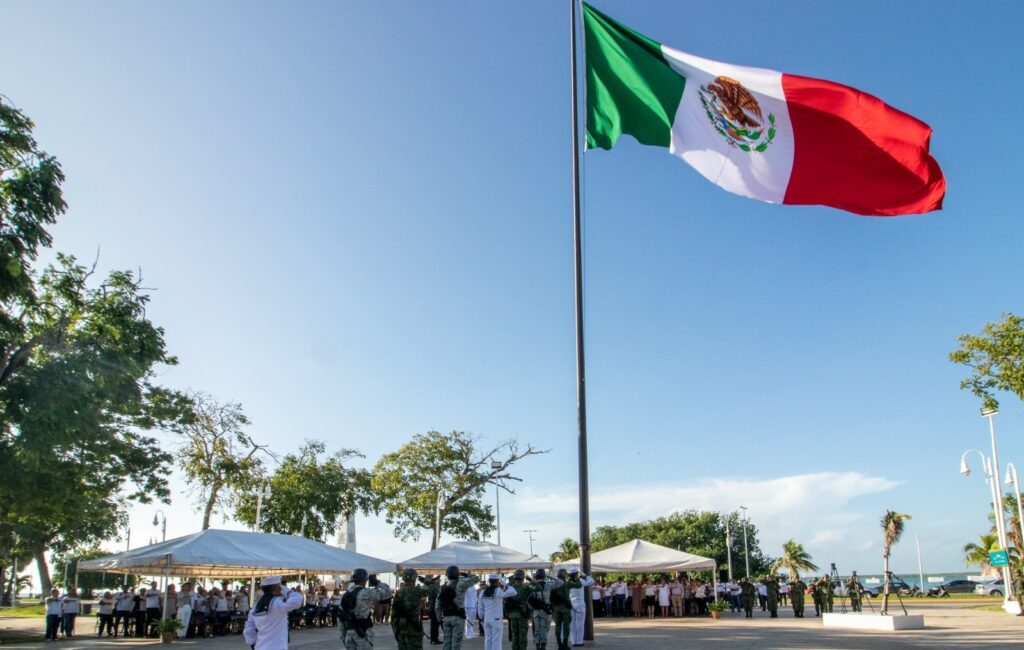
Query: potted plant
point(717, 607)
point(168, 629)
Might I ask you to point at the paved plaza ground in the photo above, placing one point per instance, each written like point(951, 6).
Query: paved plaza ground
point(949, 625)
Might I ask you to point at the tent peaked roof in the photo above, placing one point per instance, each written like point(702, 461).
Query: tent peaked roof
point(236, 554)
point(474, 555)
point(638, 556)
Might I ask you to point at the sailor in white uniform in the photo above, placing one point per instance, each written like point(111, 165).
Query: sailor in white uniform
point(579, 607)
point(490, 609)
point(266, 627)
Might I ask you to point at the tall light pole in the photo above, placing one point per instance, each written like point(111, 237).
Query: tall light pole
point(160, 519)
point(728, 545)
point(530, 532)
point(127, 547)
point(746, 549)
point(496, 465)
point(990, 413)
point(994, 490)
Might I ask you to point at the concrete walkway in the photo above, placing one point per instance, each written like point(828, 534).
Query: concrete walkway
point(949, 625)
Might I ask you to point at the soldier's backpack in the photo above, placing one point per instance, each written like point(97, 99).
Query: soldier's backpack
point(348, 612)
point(560, 598)
point(448, 605)
point(536, 601)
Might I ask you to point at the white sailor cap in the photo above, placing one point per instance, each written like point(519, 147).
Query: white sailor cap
point(270, 581)
point(574, 569)
point(493, 576)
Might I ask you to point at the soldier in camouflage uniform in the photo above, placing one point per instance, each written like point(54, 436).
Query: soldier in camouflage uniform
point(561, 604)
point(407, 608)
point(771, 583)
point(450, 607)
point(357, 607)
point(855, 591)
point(747, 597)
point(517, 611)
point(816, 596)
point(797, 590)
point(826, 594)
point(540, 601)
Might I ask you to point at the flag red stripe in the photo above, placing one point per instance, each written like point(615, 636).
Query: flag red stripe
point(854, 152)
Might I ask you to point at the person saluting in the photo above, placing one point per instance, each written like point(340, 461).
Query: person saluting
point(266, 627)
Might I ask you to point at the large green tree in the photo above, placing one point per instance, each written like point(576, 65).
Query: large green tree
point(78, 357)
point(698, 532)
point(996, 359)
point(311, 486)
point(437, 482)
point(219, 459)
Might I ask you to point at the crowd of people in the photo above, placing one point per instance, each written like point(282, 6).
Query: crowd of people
point(652, 598)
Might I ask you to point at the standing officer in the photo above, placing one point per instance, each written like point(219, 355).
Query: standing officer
point(826, 596)
point(855, 591)
point(357, 607)
point(772, 584)
point(540, 601)
point(450, 606)
point(517, 609)
point(561, 603)
point(797, 590)
point(816, 596)
point(406, 610)
point(490, 608)
point(579, 606)
point(266, 627)
point(747, 597)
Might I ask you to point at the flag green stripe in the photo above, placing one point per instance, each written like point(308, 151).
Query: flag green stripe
point(630, 87)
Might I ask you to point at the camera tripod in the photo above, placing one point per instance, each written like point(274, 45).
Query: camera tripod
point(889, 575)
point(833, 578)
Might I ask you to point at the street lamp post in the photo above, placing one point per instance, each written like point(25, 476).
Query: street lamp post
point(160, 519)
point(992, 480)
point(496, 465)
point(530, 532)
point(127, 547)
point(746, 549)
point(728, 546)
point(990, 413)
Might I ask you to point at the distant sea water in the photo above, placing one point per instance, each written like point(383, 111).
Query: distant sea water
point(930, 579)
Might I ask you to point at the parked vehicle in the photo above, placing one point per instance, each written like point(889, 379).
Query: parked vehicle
point(994, 588)
point(953, 587)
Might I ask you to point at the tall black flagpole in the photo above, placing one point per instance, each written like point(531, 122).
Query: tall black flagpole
point(581, 375)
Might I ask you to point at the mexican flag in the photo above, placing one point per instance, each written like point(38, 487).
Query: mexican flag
point(767, 135)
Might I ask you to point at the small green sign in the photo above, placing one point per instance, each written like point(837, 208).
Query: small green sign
point(998, 558)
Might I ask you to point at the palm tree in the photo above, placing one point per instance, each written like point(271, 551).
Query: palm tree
point(569, 549)
point(892, 530)
point(794, 560)
point(977, 554)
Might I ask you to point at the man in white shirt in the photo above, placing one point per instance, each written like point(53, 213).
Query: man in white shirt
point(579, 606)
point(619, 591)
point(675, 591)
point(266, 627)
point(123, 610)
point(490, 609)
point(106, 605)
point(153, 601)
point(71, 606)
point(54, 611)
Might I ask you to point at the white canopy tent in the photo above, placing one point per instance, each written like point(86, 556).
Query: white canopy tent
point(216, 553)
point(638, 556)
point(476, 556)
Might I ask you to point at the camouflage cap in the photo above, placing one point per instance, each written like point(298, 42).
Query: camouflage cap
point(409, 574)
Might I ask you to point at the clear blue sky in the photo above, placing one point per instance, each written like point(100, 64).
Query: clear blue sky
point(357, 216)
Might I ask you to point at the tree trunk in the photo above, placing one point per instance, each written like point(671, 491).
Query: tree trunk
point(210, 503)
point(5, 600)
point(885, 592)
point(45, 584)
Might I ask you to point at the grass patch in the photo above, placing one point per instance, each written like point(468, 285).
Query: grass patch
point(35, 610)
point(990, 608)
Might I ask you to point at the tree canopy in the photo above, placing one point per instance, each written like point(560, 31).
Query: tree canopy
point(309, 486)
point(439, 479)
point(996, 359)
point(78, 361)
point(794, 560)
